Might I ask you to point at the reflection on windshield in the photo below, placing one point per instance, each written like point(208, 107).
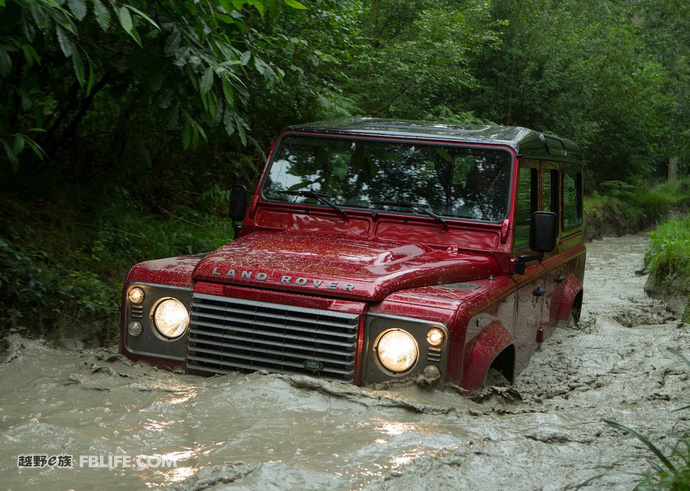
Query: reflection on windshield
point(449, 181)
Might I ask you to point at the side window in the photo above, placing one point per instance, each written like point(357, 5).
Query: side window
point(572, 199)
point(549, 196)
point(526, 205)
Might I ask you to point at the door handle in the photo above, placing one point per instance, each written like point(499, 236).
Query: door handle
point(559, 279)
point(538, 292)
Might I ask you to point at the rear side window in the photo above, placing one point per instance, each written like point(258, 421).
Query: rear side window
point(550, 191)
point(572, 199)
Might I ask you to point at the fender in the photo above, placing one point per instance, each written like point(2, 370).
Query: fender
point(481, 352)
point(562, 302)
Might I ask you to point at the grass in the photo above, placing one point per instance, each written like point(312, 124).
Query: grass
point(619, 208)
point(668, 259)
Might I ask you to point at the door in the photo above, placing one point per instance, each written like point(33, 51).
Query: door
point(567, 260)
point(556, 269)
point(531, 285)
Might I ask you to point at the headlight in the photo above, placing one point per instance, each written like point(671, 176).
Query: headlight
point(435, 336)
point(171, 318)
point(397, 350)
point(136, 295)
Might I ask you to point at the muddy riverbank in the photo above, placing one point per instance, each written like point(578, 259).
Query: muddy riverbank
point(262, 431)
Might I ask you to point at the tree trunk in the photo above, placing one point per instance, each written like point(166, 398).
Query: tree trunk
point(672, 168)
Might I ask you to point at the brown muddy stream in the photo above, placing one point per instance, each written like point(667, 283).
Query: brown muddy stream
point(262, 431)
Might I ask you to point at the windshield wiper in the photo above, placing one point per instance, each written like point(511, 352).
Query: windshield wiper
point(414, 206)
point(323, 198)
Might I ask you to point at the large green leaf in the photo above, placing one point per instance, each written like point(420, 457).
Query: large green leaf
point(258, 5)
point(227, 5)
point(228, 93)
point(229, 123)
point(65, 43)
point(241, 126)
point(30, 54)
point(126, 19)
point(5, 62)
point(18, 144)
point(186, 134)
point(172, 43)
point(102, 14)
point(36, 148)
point(294, 4)
point(206, 81)
point(78, 65)
point(14, 161)
point(78, 8)
point(144, 16)
point(91, 80)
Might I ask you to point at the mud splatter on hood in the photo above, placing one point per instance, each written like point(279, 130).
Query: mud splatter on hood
point(338, 266)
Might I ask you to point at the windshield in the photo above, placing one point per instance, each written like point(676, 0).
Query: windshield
point(452, 181)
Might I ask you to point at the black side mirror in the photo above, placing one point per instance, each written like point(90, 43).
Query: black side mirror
point(238, 202)
point(238, 206)
point(543, 231)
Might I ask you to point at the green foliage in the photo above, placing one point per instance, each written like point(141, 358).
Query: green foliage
point(674, 195)
point(669, 251)
point(618, 189)
point(59, 277)
point(580, 70)
point(626, 208)
point(126, 234)
point(665, 28)
point(668, 258)
point(314, 48)
point(180, 69)
point(39, 292)
point(415, 57)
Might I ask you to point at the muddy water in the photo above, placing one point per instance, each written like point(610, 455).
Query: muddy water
point(264, 431)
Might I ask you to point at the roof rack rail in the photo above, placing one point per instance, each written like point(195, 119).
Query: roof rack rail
point(543, 138)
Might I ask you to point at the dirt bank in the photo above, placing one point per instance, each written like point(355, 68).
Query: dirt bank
point(613, 219)
point(263, 431)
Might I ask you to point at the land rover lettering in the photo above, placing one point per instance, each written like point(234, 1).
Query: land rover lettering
point(376, 250)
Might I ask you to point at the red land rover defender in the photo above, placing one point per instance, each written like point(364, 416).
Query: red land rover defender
point(374, 250)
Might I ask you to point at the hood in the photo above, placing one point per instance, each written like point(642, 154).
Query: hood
point(338, 266)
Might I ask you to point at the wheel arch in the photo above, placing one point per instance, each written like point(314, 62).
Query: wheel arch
point(492, 347)
point(570, 300)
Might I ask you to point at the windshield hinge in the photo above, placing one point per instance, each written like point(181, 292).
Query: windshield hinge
point(505, 227)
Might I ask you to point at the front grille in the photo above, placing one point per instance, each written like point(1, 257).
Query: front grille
point(229, 334)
